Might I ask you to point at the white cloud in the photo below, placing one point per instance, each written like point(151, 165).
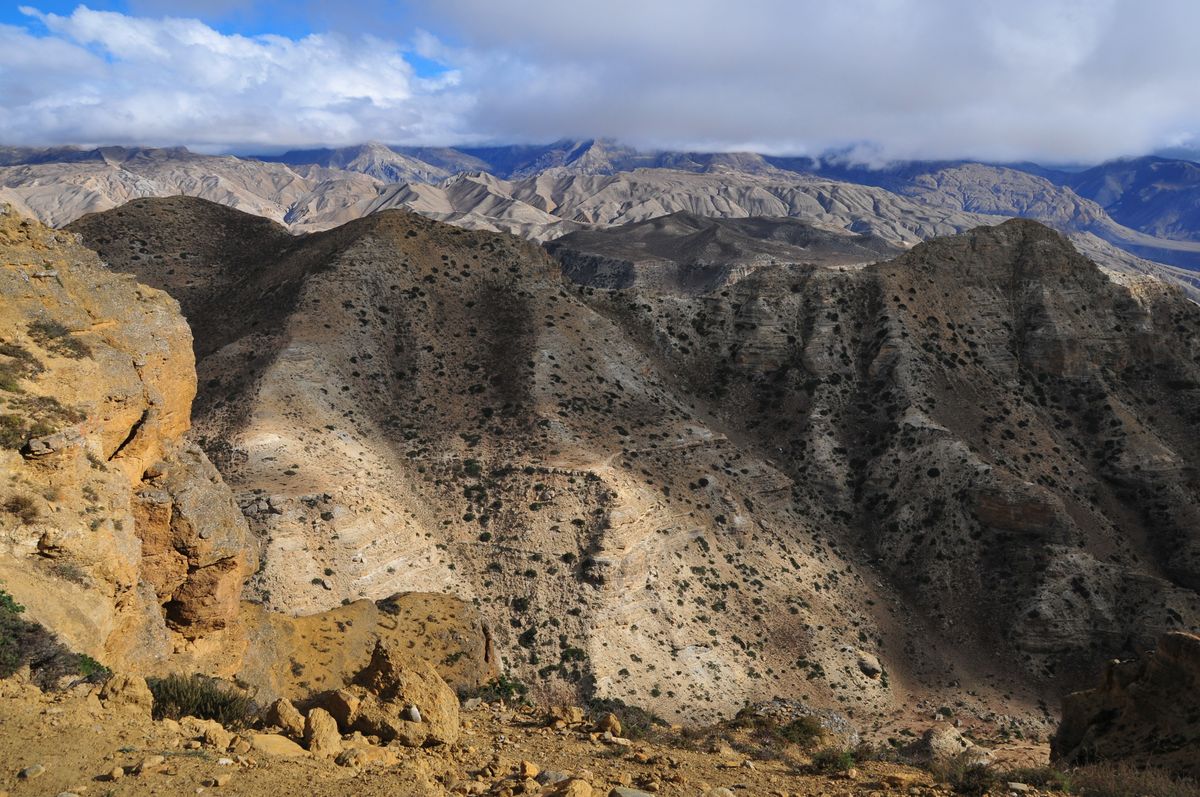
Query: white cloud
point(999, 79)
point(116, 78)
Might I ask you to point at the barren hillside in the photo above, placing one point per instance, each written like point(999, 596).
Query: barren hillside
point(781, 487)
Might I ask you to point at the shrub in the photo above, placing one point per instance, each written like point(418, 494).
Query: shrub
point(57, 338)
point(23, 507)
point(503, 688)
point(24, 642)
point(832, 760)
point(196, 695)
point(965, 774)
point(636, 722)
point(803, 731)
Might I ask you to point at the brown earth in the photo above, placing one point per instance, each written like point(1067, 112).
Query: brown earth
point(79, 741)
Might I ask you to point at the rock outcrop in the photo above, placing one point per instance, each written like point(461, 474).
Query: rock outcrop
point(120, 535)
point(397, 696)
point(294, 657)
point(1146, 712)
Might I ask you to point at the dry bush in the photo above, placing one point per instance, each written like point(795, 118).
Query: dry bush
point(23, 507)
point(1109, 779)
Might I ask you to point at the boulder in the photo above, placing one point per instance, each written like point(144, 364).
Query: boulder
point(211, 732)
point(275, 745)
point(321, 734)
point(342, 705)
point(943, 743)
point(127, 692)
point(609, 724)
point(393, 683)
point(283, 715)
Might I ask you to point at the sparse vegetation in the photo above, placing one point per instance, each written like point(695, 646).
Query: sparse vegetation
point(23, 642)
point(1125, 780)
point(56, 338)
point(832, 760)
point(803, 731)
point(23, 507)
point(196, 695)
point(966, 774)
point(636, 722)
point(503, 688)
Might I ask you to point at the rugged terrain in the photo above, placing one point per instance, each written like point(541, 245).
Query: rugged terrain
point(117, 531)
point(542, 192)
point(1146, 709)
point(693, 499)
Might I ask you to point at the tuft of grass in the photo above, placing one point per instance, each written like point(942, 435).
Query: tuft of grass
point(1112, 779)
point(54, 337)
point(966, 775)
point(177, 696)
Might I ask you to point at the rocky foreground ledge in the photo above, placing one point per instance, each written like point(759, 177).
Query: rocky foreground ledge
point(93, 739)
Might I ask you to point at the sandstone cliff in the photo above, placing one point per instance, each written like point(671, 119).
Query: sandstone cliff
point(119, 534)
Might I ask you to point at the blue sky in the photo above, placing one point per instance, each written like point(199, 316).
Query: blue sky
point(293, 20)
point(1049, 80)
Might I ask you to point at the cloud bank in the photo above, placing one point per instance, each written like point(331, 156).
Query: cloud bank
point(1056, 80)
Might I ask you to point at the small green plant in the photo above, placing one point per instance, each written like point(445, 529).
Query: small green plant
point(12, 629)
point(55, 337)
point(177, 696)
point(91, 669)
point(503, 688)
point(832, 760)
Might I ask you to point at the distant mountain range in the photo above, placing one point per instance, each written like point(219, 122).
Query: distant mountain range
point(1133, 216)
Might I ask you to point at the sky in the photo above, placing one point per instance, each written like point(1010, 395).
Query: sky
point(1055, 81)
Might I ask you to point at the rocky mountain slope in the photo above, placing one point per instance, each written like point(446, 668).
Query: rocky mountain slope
point(118, 538)
point(687, 252)
point(1157, 196)
point(687, 501)
point(542, 192)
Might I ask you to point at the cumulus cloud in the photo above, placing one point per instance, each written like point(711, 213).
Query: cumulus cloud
point(998, 79)
point(98, 76)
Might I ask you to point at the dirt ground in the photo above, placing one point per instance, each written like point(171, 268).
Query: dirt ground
point(80, 741)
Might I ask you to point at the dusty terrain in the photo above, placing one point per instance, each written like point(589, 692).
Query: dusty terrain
point(80, 740)
point(693, 500)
